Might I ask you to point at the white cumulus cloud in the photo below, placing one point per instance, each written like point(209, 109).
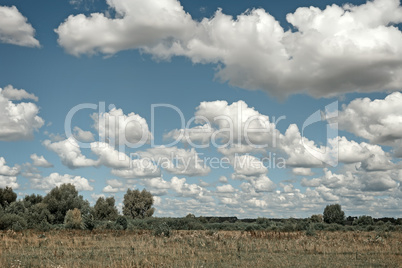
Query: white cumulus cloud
point(70, 153)
point(40, 161)
point(18, 120)
point(328, 52)
point(14, 28)
point(56, 179)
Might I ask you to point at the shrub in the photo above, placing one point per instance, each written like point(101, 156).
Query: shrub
point(364, 220)
point(73, 219)
point(12, 221)
point(311, 231)
point(302, 225)
point(202, 219)
point(319, 226)
point(334, 227)
point(122, 221)
point(44, 226)
point(214, 220)
point(316, 218)
point(38, 213)
point(17, 226)
point(264, 222)
point(250, 228)
point(162, 229)
point(89, 222)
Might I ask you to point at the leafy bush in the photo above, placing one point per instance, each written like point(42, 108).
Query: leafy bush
point(319, 226)
point(44, 226)
point(316, 218)
point(73, 219)
point(89, 222)
point(37, 214)
point(162, 229)
point(364, 220)
point(250, 227)
point(311, 231)
point(334, 227)
point(122, 221)
point(12, 221)
point(263, 222)
point(302, 225)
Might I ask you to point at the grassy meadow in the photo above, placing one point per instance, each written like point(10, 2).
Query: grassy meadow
point(205, 248)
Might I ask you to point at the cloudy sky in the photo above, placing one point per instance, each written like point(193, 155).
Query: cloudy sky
point(246, 108)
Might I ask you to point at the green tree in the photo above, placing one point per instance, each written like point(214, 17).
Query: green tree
point(7, 196)
point(32, 199)
point(105, 209)
point(17, 208)
point(62, 199)
point(138, 204)
point(38, 214)
point(364, 220)
point(334, 214)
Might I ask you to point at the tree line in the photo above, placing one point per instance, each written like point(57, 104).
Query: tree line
point(64, 208)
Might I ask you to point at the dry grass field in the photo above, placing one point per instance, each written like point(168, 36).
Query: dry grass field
point(199, 249)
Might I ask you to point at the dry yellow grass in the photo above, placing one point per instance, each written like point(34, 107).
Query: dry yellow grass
point(199, 249)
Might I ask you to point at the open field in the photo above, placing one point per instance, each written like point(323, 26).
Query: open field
point(199, 249)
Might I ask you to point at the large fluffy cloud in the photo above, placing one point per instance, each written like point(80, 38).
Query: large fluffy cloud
point(118, 128)
point(70, 153)
point(176, 161)
point(233, 128)
point(137, 24)
point(379, 120)
point(8, 181)
point(56, 179)
point(18, 120)
point(328, 52)
point(237, 129)
point(343, 184)
point(14, 28)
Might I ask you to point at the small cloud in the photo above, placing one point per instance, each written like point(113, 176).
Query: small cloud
point(82, 135)
point(40, 161)
point(12, 93)
point(223, 179)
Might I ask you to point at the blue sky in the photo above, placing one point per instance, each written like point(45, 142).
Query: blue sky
point(274, 60)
